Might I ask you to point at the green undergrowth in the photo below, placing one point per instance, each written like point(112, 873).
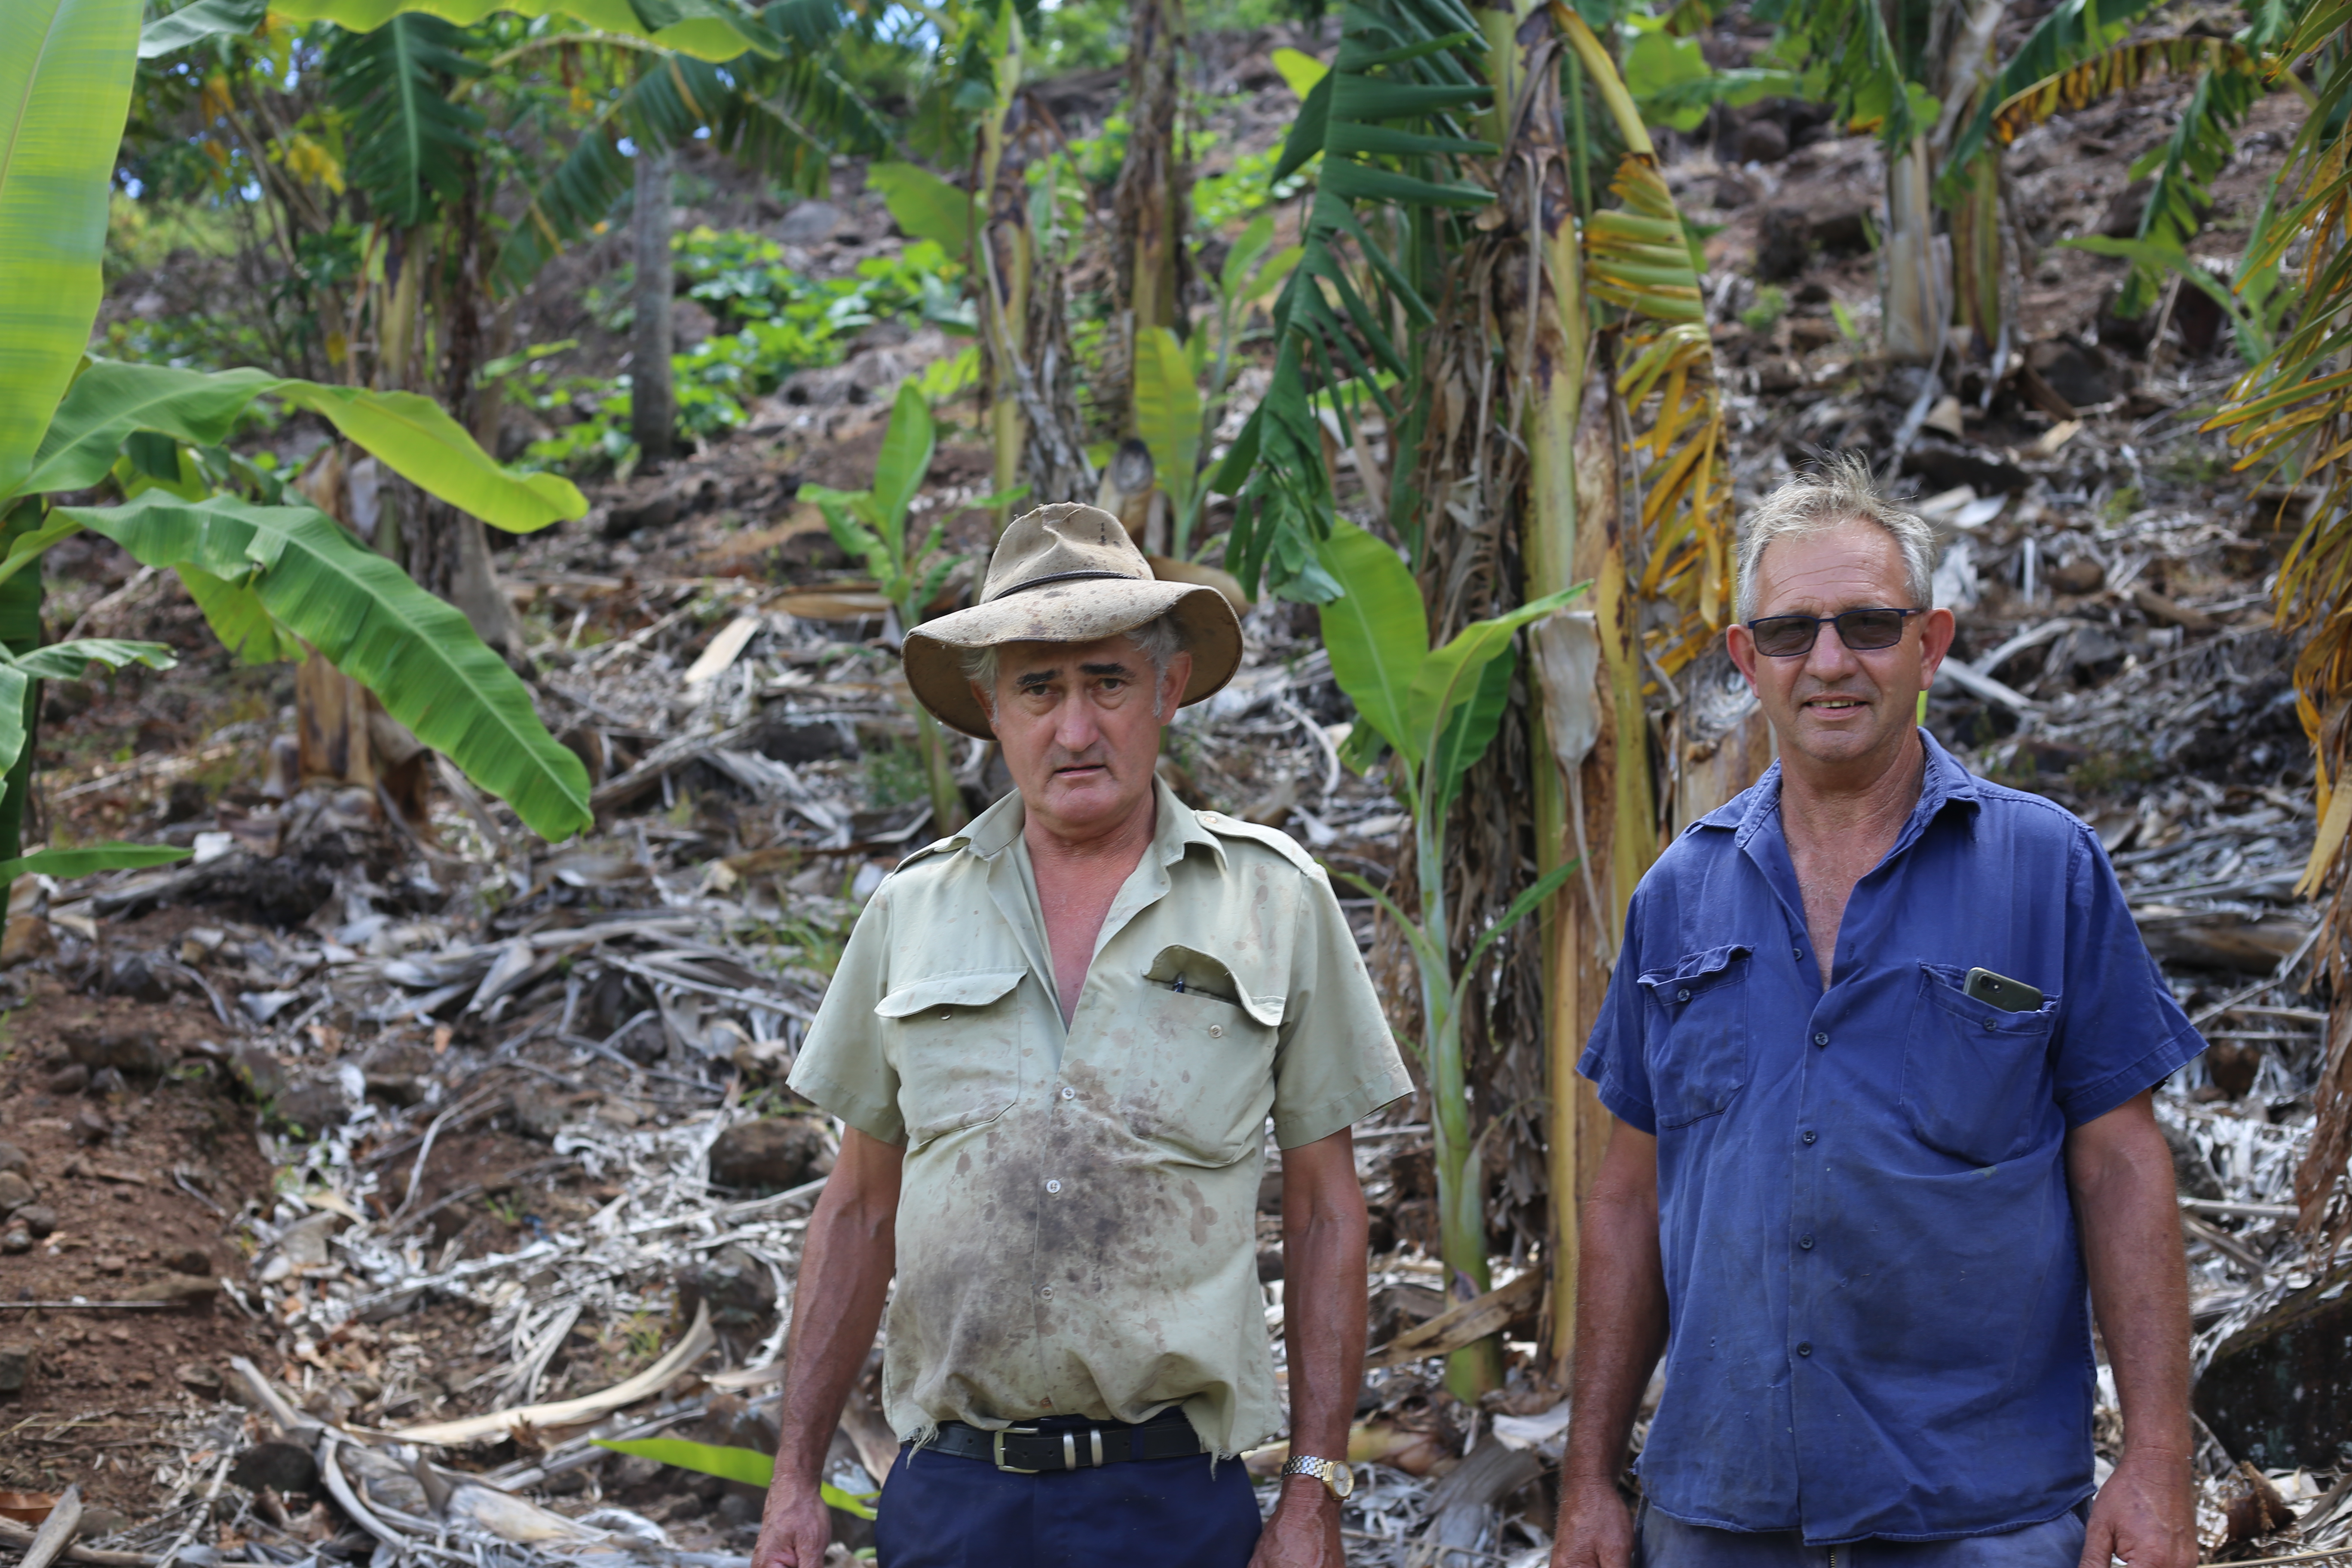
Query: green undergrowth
point(773, 321)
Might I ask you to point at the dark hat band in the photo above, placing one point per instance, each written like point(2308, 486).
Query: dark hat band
point(1060, 577)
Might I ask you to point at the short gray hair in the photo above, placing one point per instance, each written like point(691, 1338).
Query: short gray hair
point(1838, 491)
point(1159, 639)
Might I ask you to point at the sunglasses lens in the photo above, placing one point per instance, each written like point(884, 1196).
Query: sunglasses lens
point(1785, 636)
point(1866, 629)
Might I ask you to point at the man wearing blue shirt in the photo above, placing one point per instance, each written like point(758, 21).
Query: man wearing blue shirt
point(1858, 1196)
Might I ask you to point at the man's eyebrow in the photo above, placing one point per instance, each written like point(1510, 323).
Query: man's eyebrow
point(1111, 667)
point(1029, 680)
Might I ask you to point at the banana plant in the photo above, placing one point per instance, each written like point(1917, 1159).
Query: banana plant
point(272, 580)
point(1437, 710)
point(872, 525)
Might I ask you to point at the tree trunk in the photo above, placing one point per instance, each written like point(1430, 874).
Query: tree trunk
point(653, 406)
point(1919, 261)
point(1149, 268)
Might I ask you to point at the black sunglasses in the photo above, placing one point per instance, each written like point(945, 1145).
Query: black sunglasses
point(1863, 631)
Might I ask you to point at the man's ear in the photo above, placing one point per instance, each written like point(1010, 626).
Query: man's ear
point(1174, 679)
point(1936, 636)
point(1741, 644)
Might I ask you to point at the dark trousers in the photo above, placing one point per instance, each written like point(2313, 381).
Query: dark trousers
point(1664, 1542)
point(942, 1512)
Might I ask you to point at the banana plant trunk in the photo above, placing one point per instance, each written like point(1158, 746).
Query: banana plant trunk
point(1150, 199)
point(1006, 252)
point(1918, 284)
point(20, 632)
point(653, 401)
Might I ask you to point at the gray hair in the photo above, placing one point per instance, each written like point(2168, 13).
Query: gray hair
point(1839, 491)
point(1159, 639)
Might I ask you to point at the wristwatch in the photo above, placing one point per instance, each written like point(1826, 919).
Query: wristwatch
point(1332, 1473)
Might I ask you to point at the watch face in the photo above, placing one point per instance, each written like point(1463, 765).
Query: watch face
point(1343, 1480)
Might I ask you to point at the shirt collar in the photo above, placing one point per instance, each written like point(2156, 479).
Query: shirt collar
point(1943, 783)
point(1175, 827)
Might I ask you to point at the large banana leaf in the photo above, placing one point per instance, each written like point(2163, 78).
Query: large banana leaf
point(418, 655)
point(1377, 631)
point(65, 88)
point(1168, 413)
point(2074, 31)
point(411, 144)
point(706, 29)
point(1381, 121)
point(1450, 677)
point(904, 460)
point(195, 23)
point(923, 206)
point(241, 621)
point(761, 113)
point(411, 434)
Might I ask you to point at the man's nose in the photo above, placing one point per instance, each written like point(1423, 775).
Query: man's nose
point(1831, 660)
point(1075, 727)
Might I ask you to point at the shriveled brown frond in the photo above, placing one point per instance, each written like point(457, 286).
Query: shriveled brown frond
point(2116, 70)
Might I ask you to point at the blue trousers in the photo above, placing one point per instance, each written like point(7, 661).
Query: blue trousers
point(1664, 1542)
point(942, 1512)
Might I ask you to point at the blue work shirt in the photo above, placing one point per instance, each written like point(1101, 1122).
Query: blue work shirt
point(1879, 1317)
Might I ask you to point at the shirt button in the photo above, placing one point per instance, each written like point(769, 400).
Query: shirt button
point(1045, 1292)
point(1797, 953)
point(1805, 1242)
point(1069, 1093)
point(1216, 1031)
point(1682, 995)
point(1810, 1135)
point(1821, 1039)
point(1056, 1186)
point(1804, 1348)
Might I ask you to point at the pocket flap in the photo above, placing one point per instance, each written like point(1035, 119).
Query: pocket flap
point(971, 988)
point(1189, 969)
point(1693, 973)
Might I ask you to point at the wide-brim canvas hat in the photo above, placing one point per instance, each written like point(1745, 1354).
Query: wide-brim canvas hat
point(1066, 573)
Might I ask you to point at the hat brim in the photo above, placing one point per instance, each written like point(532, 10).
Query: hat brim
point(1078, 612)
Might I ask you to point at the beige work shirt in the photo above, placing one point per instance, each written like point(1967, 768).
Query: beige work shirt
point(1077, 1228)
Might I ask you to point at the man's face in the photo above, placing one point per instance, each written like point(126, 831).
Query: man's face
point(1834, 706)
point(1079, 729)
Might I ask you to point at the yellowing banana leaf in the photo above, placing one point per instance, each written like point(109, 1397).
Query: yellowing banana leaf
point(1634, 259)
point(2115, 70)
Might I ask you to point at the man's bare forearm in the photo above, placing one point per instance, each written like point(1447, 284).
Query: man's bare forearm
point(1621, 1306)
point(1324, 1232)
point(2121, 1171)
point(845, 1278)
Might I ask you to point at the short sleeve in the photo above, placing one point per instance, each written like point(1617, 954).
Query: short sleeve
point(1614, 1059)
point(841, 1066)
point(2119, 1030)
point(1336, 1062)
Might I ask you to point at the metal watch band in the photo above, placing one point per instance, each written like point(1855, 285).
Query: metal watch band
point(1335, 1476)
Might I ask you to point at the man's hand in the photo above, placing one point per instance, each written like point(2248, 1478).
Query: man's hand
point(1596, 1528)
point(1304, 1531)
point(2146, 1514)
point(797, 1527)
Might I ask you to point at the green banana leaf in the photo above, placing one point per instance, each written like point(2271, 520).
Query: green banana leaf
point(241, 621)
point(748, 1466)
point(1451, 676)
point(904, 460)
point(1377, 632)
point(417, 654)
point(66, 660)
point(707, 32)
point(195, 23)
point(923, 206)
point(65, 89)
point(81, 860)
point(1168, 414)
point(1470, 730)
point(413, 436)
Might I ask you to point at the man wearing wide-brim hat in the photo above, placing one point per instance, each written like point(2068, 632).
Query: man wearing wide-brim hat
point(1054, 1041)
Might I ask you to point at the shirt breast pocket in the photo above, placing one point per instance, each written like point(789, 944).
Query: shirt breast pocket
point(1203, 1080)
point(1697, 1050)
point(956, 1044)
point(1976, 1079)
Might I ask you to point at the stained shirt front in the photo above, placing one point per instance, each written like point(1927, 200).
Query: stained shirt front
point(1077, 1229)
point(1878, 1317)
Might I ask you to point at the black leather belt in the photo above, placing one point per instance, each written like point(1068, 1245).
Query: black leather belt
point(1068, 1445)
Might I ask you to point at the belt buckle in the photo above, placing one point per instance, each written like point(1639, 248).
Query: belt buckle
point(998, 1455)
